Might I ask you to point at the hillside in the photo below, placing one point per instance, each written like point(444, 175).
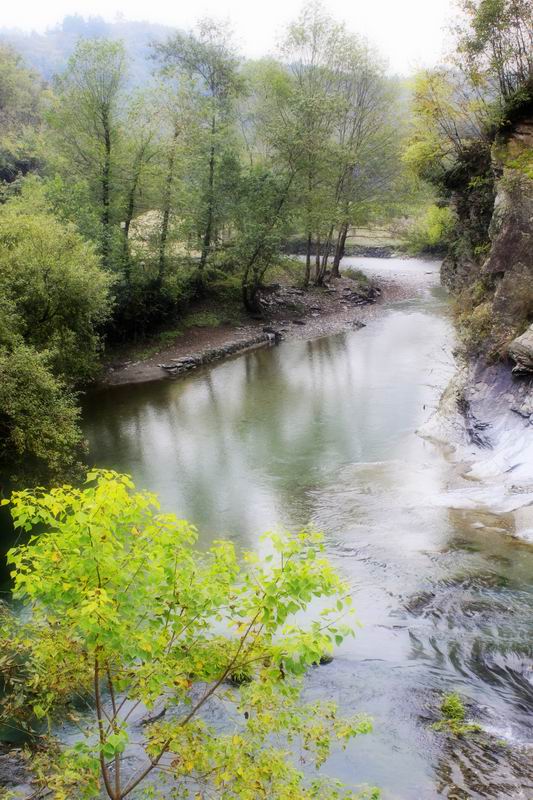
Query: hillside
point(48, 52)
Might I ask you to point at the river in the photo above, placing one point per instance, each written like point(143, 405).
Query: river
point(325, 432)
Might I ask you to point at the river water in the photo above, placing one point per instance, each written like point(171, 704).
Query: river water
point(324, 432)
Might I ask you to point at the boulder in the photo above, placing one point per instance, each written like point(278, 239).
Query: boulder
point(521, 351)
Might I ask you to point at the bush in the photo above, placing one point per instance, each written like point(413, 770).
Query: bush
point(55, 287)
point(431, 232)
point(39, 433)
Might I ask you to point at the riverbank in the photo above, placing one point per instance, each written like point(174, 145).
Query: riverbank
point(289, 313)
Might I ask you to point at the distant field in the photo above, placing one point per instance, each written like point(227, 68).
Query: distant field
point(373, 237)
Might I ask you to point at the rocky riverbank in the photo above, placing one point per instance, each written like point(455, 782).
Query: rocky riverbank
point(288, 312)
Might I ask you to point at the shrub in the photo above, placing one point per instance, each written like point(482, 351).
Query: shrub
point(431, 232)
point(454, 717)
point(56, 288)
point(39, 434)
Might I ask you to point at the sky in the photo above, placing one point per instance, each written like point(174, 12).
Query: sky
point(410, 34)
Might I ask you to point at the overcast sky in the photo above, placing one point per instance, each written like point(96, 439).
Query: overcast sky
point(409, 33)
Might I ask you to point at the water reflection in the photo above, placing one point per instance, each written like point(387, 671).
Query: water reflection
point(324, 432)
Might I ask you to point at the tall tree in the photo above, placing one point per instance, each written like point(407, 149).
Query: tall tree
point(87, 119)
point(311, 51)
point(208, 60)
point(21, 94)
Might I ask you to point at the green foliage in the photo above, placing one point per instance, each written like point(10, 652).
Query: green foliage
point(39, 433)
point(358, 276)
point(432, 231)
point(125, 610)
point(20, 110)
point(454, 717)
point(53, 283)
point(497, 42)
point(202, 319)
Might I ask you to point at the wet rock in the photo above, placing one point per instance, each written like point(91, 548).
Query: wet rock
point(13, 769)
point(521, 351)
point(299, 322)
point(181, 365)
point(358, 324)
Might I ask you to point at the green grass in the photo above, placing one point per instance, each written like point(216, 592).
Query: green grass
point(287, 270)
point(453, 719)
point(356, 275)
point(202, 319)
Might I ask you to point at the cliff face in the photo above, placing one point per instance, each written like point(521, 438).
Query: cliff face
point(493, 279)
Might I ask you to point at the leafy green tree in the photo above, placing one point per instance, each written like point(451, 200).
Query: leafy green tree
point(87, 120)
point(56, 289)
point(139, 159)
point(21, 94)
point(495, 43)
point(262, 221)
point(311, 50)
point(124, 610)
point(207, 60)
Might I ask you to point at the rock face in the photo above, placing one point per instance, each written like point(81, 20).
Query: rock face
point(521, 351)
point(493, 270)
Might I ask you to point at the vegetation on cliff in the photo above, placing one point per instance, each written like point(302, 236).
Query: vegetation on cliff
point(473, 142)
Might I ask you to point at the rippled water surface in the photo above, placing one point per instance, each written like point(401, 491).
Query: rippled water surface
point(325, 432)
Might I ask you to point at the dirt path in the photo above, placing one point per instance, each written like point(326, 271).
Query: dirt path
point(293, 313)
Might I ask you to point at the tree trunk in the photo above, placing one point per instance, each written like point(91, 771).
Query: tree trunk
point(106, 190)
point(250, 298)
point(208, 234)
point(339, 250)
point(307, 277)
point(127, 222)
point(317, 261)
point(327, 250)
point(167, 201)
point(325, 256)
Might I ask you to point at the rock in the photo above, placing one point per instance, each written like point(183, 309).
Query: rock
point(524, 408)
point(521, 351)
point(186, 360)
point(13, 769)
point(278, 336)
point(358, 324)
point(299, 322)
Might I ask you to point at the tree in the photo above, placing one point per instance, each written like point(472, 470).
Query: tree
point(366, 134)
point(54, 284)
point(311, 50)
point(261, 224)
point(124, 610)
point(20, 115)
point(140, 154)
point(209, 62)
point(496, 43)
point(87, 120)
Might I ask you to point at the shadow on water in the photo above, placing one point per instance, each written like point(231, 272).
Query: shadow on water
point(324, 432)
